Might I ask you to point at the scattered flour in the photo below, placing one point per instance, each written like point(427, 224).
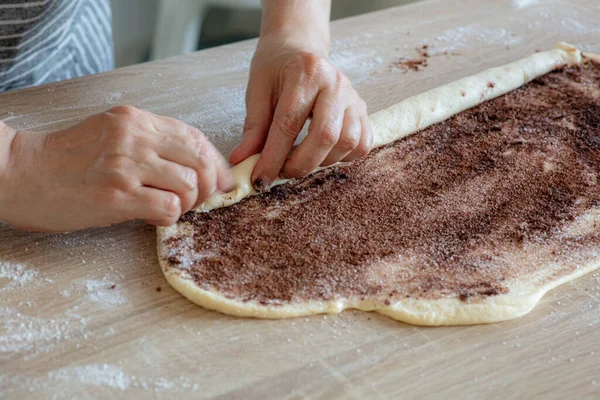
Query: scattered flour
point(461, 36)
point(591, 48)
point(95, 374)
point(356, 60)
point(104, 292)
point(21, 333)
point(575, 26)
point(110, 332)
point(544, 14)
point(16, 274)
point(524, 3)
point(100, 375)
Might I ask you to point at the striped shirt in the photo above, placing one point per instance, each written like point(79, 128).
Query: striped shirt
point(44, 41)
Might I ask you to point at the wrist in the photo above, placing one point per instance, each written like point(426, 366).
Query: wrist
point(301, 24)
point(293, 40)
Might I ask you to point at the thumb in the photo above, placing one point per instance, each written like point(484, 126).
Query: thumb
point(259, 114)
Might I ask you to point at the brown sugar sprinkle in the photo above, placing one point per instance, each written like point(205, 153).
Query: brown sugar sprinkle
point(174, 260)
point(419, 63)
point(416, 64)
point(413, 65)
point(457, 210)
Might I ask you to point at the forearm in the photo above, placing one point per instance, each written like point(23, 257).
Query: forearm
point(298, 21)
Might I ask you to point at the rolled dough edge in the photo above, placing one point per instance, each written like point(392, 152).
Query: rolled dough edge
point(446, 311)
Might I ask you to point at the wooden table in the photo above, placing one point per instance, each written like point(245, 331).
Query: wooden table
point(89, 314)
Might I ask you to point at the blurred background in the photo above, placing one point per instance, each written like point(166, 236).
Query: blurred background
point(153, 29)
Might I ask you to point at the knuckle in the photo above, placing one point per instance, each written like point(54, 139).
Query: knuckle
point(203, 153)
point(170, 207)
point(197, 134)
point(190, 179)
point(348, 142)
point(186, 129)
point(328, 136)
point(342, 80)
point(311, 63)
point(200, 144)
point(289, 125)
point(196, 145)
point(126, 110)
point(363, 149)
point(116, 163)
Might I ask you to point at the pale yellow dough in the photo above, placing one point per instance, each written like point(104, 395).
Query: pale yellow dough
point(393, 123)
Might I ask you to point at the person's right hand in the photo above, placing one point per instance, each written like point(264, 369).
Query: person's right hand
point(119, 165)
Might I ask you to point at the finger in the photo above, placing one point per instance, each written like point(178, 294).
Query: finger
point(211, 168)
point(186, 145)
point(166, 175)
point(366, 140)
point(291, 113)
point(256, 125)
point(224, 178)
point(349, 138)
point(323, 135)
point(178, 142)
point(151, 204)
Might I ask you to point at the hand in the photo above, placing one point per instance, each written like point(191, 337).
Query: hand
point(290, 81)
point(119, 165)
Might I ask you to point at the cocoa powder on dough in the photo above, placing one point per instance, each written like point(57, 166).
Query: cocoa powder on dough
point(441, 213)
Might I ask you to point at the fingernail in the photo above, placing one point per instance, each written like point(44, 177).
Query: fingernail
point(284, 175)
point(284, 172)
point(262, 184)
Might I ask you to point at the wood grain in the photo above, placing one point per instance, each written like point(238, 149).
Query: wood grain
point(67, 332)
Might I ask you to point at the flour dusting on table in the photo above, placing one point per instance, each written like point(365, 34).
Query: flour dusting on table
point(463, 35)
point(106, 376)
point(579, 27)
point(524, 3)
point(28, 335)
point(15, 274)
point(104, 292)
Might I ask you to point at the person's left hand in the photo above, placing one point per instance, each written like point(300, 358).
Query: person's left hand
point(290, 82)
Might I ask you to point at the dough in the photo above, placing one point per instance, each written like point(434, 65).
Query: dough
point(398, 121)
point(423, 110)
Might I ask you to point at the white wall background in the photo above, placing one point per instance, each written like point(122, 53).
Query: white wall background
point(134, 23)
